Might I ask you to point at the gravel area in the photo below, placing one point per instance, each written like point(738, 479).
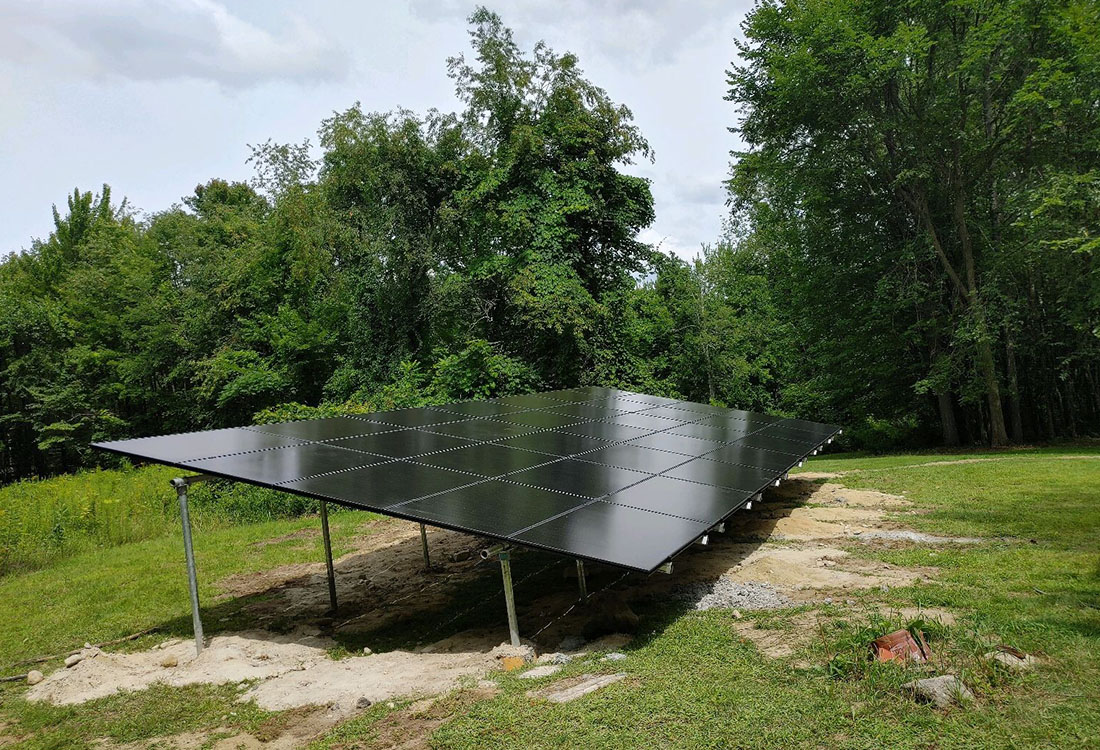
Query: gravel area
point(726, 594)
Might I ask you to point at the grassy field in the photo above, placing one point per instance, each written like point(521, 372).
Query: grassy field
point(44, 521)
point(1034, 582)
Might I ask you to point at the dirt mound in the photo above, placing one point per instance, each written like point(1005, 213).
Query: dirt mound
point(290, 671)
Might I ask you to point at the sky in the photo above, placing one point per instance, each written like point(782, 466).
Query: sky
point(154, 97)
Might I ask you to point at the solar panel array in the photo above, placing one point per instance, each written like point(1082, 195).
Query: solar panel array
point(595, 473)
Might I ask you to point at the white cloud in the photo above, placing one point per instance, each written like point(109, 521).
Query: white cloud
point(636, 34)
point(162, 40)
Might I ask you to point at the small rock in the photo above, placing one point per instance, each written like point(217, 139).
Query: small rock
point(73, 660)
point(828, 600)
point(849, 602)
point(169, 661)
point(34, 677)
point(367, 651)
point(544, 671)
point(512, 663)
point(614, 656)
point(942, 691)
point(1011, 661)
point(826, 563)
point(362, 703)
point(736, 614)
point(523, 652)
point(884, 588)
point(391, 704)
point(554, 658)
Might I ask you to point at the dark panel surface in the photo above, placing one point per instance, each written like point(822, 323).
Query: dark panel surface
point(401, 443)
point(555, 443)
point(410, 417)
point(477, 408)
point(616, 534)
point(479, 510)
point(688, 446)
point(698, 502)
point(486, 459)
point(578, 477)
point(544, 420)
point(642, 421)
point(647, 476)
point(325, 429)
point(721, 474)
point(636, 457)
point(727, 434)
point(585, 411)
point(480, 429)
point(776, 445)
point(669, 412)
point(740, 454)
point(382, 485)
point(283, 464)
point(605, 431)
point(189, 446)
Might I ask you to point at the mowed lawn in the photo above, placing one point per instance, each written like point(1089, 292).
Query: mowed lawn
point(1033, 583)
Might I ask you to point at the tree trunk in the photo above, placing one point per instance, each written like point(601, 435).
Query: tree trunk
point(947, 419)
point(1013, 391)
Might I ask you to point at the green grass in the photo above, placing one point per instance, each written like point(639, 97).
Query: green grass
point(42, 521)
point(1033, 583)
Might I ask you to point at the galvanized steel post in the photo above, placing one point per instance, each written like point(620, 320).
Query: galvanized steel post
point(509, 597)
point(189, 552)
point(424, 544)
point(328, 556)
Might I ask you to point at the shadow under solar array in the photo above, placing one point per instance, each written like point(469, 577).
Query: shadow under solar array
point(595, 473)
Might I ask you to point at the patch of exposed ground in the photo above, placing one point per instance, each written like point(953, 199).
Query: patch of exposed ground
point(780, 642)
point(290, 671)
point(286, 731)
point(791, 548)
point(409, 728)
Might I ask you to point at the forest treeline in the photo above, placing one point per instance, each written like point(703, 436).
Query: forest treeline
point(910, 249)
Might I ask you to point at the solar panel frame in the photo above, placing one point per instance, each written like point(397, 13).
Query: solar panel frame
point(698, 449)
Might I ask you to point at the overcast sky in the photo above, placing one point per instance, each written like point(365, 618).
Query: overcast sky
point(154, 97)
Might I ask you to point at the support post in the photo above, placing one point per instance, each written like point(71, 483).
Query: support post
point(581, 581)
point(509, 597)
point(328, 556)
point(424, 544)
point(189, 552)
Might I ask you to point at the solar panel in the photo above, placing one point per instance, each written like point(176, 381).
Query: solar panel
point(595, 473)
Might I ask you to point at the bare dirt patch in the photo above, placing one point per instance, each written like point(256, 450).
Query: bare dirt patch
point(780, 642)
point(290, 671)
point(793, 543)
point(410, 727)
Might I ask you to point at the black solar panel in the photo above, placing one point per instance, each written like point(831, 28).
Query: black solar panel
point(595, 473)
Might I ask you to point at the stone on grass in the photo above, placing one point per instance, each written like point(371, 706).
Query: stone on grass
point(544, 671)
point(34, 677)
point(362, 703)
point(582, 685)
point(1010, 660)
point(614, 656)
point(523, 652)
point(554, 658)
point(942, 691)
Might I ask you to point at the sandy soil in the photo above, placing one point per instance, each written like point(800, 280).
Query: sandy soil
point(793, 541)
